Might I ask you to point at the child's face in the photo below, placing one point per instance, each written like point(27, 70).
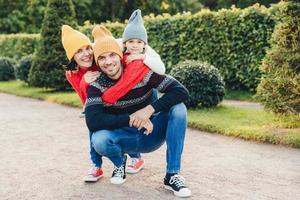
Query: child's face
point(135, 46)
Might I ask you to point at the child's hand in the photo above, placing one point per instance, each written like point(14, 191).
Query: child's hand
point(133, 57)
point(91, 76)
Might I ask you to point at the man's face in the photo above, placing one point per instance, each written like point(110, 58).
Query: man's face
point(110, 64)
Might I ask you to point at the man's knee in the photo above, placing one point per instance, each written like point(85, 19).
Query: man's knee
point(178, 111)
point(100, 141)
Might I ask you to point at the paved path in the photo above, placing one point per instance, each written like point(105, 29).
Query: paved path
point(44, 155)
point(242, 104)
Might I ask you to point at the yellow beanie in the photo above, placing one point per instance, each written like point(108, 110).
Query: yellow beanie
point(104, 42)
point(73, 40)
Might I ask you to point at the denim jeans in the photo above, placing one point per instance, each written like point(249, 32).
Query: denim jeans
point(168, 126)
point(97, 159)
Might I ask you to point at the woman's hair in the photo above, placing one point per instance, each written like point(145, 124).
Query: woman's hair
point(71, 66)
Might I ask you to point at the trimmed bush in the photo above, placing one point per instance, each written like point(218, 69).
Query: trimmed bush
point(279, 89)
point(47, 70)
point(22, 69)
point(203, 81)
point(18, 45)
point(7, 69)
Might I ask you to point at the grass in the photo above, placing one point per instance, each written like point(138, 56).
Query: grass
point(246, 123)
point(239, 95)
point(249, 124)
point(19, 88)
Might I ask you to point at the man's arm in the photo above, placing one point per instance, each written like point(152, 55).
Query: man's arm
point(174, 92)
point(95, 115)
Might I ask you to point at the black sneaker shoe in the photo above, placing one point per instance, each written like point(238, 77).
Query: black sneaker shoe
point(119, 175)
point(176, 184)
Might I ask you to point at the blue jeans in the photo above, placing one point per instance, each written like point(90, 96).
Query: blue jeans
point(97, 159)
point(167, 126)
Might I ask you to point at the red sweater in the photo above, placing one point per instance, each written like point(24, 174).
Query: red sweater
point(134, 72)
point(78, 83)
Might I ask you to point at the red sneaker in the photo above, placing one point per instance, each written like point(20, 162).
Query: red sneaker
point(135, 165)
point(94, 174)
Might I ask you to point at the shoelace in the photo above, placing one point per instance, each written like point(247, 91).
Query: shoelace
point(177, 180)
point(93, 170)
point(118, 171)
point(134, 161)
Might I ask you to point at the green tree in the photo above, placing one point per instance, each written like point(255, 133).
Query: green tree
point(46, 70)
point(279, 89)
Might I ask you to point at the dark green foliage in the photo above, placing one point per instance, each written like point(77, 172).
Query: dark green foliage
point(6, 69)
point(22, 69)
point(233, 40)
point(18, 45)
point(46, 70)
point(279, 89)
point(204, 82)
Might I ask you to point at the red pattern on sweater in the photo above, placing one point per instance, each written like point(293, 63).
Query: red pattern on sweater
point(77, 81)
point(134, 72)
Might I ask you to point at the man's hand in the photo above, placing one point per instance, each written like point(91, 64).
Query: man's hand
point(91, 76)
point(147, 125)
point(132, 57)
point(141, 116)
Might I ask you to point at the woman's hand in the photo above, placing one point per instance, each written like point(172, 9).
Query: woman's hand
point(91, 76)
point(133, 57)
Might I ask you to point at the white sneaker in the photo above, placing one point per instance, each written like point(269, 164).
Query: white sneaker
point(94, 174)
point(176, 184)
point(119, 174)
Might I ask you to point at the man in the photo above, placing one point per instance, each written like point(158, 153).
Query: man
point(134, 123)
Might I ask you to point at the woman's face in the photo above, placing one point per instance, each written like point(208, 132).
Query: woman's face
point(84, 56)
point(135, 46)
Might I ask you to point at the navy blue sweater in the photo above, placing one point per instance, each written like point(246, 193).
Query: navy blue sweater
point(101, 116)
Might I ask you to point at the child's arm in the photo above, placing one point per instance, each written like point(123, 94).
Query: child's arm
point(152, 59)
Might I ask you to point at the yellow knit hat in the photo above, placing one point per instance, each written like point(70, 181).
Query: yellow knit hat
point(104, 42)
point(73, 40)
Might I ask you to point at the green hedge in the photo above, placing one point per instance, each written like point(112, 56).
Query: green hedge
point(233, 40)
point(18, 45)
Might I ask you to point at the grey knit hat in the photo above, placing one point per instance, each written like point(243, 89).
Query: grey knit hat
point(135, 28)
